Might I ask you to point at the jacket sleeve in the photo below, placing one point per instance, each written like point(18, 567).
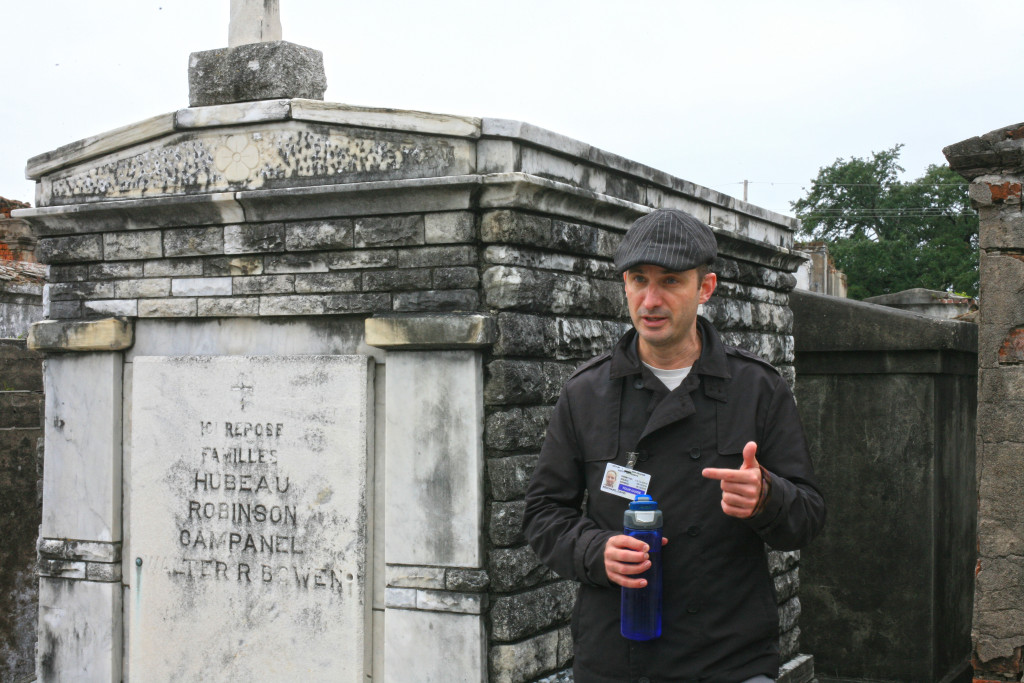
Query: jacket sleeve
point(794, 512)
point(563, 538)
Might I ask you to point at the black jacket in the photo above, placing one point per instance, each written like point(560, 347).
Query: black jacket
point(720, 617)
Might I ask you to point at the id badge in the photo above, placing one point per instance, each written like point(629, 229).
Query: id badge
point(624, 482)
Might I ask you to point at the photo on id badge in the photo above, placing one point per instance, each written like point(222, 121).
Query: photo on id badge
point(624, 482)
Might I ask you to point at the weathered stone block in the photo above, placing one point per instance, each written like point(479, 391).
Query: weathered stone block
point(789, 613)
point(71, 248)
point(389, 231)
point(787, 585)
point(60, 310)
point(296, 263)
point(1002, 289)
point(517, 616)
point(396, 280)
point(328, 282)
point(405, 576)
point(524, 381)
point(781, 561)
point(531, 258)
point(437, 300)
point(253, 238)
point(66, 291)
point(228, 306)
point(525, 660)
point(516, 568)
point(62, 273)
point(233, 266)
point(194, 241)
point(186, 267)
point(255, 71)
point(113, 270)
point(448, 227)
point(517, 428)
point(509, 476)
point(467, 580)
point(775, 348)
point(139, 244)
point(148, 288)
point(201, 286)
point(437, 256)
point(376, 258)
point(110, 307)
point(167, 308)
point(1002, 229)
point(262, 284)
point(319, 235)
point(580, 338)
point(461, 277)
point(322, 304)
point(536, 231)
point(507, 523)
point(507, 287)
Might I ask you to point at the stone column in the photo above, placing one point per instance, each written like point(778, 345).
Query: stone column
point(434, 462)
point(80, 627)
point(994, 163)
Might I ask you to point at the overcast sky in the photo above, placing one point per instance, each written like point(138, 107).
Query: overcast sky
point(714, 91)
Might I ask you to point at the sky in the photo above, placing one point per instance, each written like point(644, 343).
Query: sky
point(715, 92)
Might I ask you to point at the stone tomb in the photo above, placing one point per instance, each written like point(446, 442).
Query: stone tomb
point(248, 504)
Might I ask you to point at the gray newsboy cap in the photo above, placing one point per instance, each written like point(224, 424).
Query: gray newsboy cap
point(669, 238)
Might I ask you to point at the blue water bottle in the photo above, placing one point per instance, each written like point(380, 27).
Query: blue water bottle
point(641, 607)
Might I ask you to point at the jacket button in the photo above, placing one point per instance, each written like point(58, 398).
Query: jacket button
point(694, 453)
point(638, 383)
point(693, 530)
point(692, 610)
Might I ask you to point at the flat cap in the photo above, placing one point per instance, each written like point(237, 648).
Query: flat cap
point(669, 238)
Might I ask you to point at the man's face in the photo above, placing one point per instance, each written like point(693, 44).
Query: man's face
point(663, 305)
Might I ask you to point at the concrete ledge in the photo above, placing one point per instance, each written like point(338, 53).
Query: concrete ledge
point(430, 331)
point(255, 71)
point(828, 323)
point(109, 334)
point(800, 669)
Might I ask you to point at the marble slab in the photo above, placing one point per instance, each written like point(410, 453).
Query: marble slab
point(249, 531)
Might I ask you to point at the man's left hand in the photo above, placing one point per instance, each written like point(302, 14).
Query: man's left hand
point(741, 489)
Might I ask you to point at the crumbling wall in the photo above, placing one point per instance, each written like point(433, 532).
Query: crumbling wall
point(994, 163)
point(21, 395)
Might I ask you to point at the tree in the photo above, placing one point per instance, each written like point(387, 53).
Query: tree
point(888, 235)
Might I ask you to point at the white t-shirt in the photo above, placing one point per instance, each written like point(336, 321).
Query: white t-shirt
point(670, 378)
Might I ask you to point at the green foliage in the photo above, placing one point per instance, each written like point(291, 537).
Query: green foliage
point(888, 235)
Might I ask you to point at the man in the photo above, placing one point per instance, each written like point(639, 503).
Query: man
point(713, 434)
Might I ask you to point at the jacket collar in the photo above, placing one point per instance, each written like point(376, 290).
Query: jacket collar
point(712, 362)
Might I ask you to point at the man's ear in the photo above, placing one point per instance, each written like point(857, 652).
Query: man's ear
point(707, 287)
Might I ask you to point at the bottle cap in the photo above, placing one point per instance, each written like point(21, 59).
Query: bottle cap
point(643, 502)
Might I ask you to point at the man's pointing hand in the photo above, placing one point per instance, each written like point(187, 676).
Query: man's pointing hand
point(741, 489)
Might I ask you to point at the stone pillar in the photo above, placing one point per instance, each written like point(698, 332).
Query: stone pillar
point(435, 594)
point(994, 163)
point(80, 627)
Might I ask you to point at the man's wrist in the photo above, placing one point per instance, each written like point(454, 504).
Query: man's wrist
point(766, 489)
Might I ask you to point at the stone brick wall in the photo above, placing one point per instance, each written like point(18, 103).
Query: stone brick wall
point(994, 163)
point(21, 394)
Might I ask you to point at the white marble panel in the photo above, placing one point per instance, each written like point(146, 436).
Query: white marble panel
point(434, 462)
point(79, 631)
point(433, 647)
point(250, 515)
point(82, 477)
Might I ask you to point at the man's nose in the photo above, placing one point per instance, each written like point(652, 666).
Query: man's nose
point(652, 297)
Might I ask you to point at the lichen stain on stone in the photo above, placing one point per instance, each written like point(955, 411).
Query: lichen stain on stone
point(1011, 352)
point(213, 162)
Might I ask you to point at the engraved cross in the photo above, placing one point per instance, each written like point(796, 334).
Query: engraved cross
point(243, 389)
point(254, 21)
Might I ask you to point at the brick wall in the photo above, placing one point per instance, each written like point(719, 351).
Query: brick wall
point(994, 163)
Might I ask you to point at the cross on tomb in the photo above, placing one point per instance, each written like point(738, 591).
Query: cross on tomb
point(254, 21)
point(242, 388)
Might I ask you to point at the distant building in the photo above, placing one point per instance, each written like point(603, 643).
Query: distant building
point(21, 277)
point(819, 274)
